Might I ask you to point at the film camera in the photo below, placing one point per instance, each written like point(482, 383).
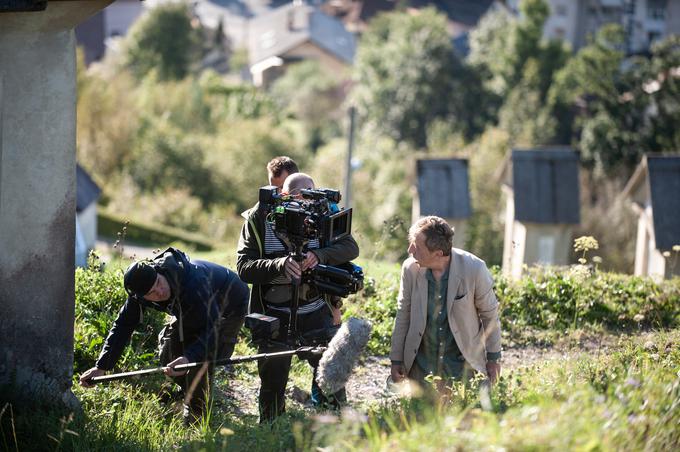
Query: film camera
point(313, 216)
point(297, 221)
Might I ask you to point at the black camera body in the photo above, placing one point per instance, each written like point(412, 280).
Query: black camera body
point(307, 218)
point(340, 280)
point(314, 216)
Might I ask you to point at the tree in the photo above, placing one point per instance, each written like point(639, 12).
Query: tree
point(163, 39)
point(407, 76)
point(610, 125)
point(521, 66)
point(314, 96)
point(662, 85)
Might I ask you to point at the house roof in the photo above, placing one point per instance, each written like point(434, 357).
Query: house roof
point(22, 5)
point(237, 8)
point(87, 191)
point(467, 12)
point(545, 186)
point(443, 188)
point(274, 33)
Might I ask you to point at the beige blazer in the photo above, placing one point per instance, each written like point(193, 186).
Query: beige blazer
point(472, 310)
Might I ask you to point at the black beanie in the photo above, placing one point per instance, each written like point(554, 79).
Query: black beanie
point(139, 278)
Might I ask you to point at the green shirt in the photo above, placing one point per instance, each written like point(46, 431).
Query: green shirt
point(438, 353)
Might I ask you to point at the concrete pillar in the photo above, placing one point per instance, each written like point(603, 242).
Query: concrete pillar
point(37, 201)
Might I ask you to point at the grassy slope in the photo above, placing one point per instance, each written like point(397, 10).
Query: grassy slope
point(626, 398)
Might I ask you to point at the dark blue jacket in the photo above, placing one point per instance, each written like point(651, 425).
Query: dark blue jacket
point(202, 293)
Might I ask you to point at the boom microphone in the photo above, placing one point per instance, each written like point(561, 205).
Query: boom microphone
point(342, 354)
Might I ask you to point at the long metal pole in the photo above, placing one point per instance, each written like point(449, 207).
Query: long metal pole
point(218, 362)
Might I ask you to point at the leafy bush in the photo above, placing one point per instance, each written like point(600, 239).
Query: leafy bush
point(558, 299)
point(377, 303)
point(546, 299)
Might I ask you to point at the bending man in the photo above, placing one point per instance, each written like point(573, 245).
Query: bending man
point(208, 303)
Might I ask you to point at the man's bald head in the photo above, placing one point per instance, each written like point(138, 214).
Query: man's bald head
point(296, 182)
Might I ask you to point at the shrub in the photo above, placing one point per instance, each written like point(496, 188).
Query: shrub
point(546, 299)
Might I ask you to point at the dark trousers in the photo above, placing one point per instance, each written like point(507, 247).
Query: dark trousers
point(196, 384)
point(440, 389)
point(274, 372)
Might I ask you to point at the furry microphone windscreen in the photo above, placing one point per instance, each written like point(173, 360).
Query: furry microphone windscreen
point(342, 354)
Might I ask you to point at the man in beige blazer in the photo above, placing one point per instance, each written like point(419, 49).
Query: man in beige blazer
point(447, 313)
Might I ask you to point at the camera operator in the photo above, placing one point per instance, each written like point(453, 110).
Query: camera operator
point(279, 168)
point(264, 261)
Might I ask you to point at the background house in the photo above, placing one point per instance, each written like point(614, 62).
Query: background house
point(643, 21)
point(654, 192)
point(234, 15)
point(295, 32)
point(442, 189)
point(542, 207)
point(87, 194)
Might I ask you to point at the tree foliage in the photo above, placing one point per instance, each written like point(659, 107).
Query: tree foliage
point(520, 65)
point(313, 95)
point(626, 107)
point(407, 76)
point(165, 40)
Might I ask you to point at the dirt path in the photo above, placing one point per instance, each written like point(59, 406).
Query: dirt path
point(368, 382)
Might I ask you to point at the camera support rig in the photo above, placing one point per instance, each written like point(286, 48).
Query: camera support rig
point(313, 215)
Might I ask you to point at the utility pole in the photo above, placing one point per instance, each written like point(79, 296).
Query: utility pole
point(348, 168)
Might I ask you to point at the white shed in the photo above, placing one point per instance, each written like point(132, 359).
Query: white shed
point(654, 193)
point(542, 207)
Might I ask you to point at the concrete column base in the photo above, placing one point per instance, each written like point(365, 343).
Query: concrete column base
point(37, 201)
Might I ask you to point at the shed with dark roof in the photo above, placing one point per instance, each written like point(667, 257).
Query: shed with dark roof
point(545, 186)
point(542, 187)
point(443, 190)
point(654, 193)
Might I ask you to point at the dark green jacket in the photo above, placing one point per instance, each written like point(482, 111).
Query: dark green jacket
point(258, 269)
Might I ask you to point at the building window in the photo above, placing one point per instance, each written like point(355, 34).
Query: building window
point(653, 36)
point(656, 9)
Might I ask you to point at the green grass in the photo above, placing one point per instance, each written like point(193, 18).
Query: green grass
point(624, 397)
point(625, 400)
